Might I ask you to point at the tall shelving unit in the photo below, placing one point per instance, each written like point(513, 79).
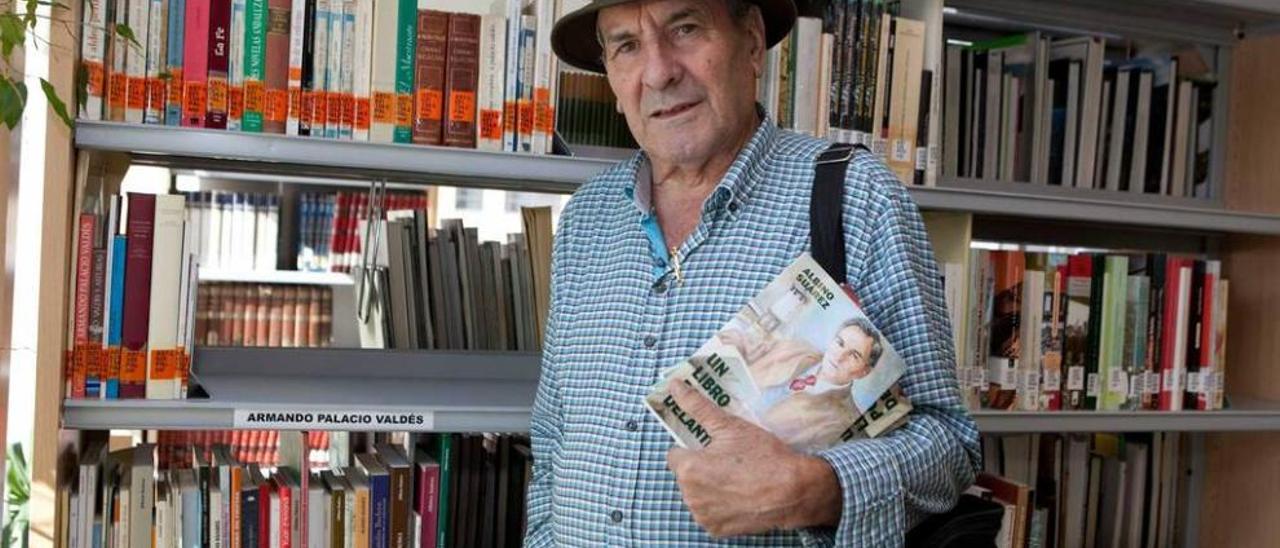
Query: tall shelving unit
point(493, 391)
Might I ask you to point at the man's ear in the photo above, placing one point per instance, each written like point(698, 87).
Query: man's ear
point(756, 39)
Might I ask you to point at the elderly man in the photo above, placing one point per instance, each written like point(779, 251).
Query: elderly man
point(656, 253)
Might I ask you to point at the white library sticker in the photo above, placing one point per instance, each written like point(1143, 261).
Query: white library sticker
point(367, 420)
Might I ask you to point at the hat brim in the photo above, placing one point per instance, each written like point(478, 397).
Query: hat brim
point(574, 36)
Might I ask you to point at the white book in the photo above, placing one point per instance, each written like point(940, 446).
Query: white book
point(1142, 124)
point(1070, 144)
point(273, 230)
point(808, 31)
point(362, 69)
point(346, 78)
point(273, 522)
point(93, 48)
point(493, 58)
point(261, 241)
point(383, 72)
point(1029, 363)
point(297, 30)
point(511, 88)
point(226, 259)
point(216, 525)
point(826, 52)
point(528, 32)
point(235, 62)
point(317, 521)
point(136, 60)
point(320, 63)
point(1009, 125)
point(119, 50)
point(544, 76)
point(994, 95)
point(1173, 380)
point(157, 37)
point(166, 277)
point(930, 12)
point(141, 485)
point(213, 231)
point(333, 82)
point(1119, 111)
point(248, 231)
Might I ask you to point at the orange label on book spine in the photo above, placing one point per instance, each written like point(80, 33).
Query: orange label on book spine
point(93, 361)
point(321, 110)
point(308, 107)
point(430, 104)
point(255, 96)
point(156, 94)
point(173, 85)
point(277, 105)
point(133, 366)
point(94, 75)
point(137, 92)
point(295, 73)
point(510, 114)
point(235, 102)
point(112, 363)
point(164, 365)
point(348, 109)
point(218, 94)
point(295, 103)
point(384, 107)
point(490, 124)
point(119, 89)
point(404, 109)
point(194, 99)
point(362, 113)
point(462, 106)
point(526, 117)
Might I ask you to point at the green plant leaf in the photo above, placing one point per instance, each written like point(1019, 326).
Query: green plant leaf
point(13, 32)
point(13, 98)
point(127, 33)
point(55, 102)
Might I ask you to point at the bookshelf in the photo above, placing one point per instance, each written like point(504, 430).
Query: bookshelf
point(295, 277)
point(477, 391)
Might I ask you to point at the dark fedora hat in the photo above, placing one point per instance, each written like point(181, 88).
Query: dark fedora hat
point(574, 36)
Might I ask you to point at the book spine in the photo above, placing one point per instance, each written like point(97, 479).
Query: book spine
point(429, 76)
point(93, 49)
point(219, 59)
point(175, 51)
point(406, 42)
point(380, 502)
point(1154, 333)
point(346, 129)
point(1093, 348)
point(276, 68)
point(463, 60)
point(1002, 366)
point(97, 293)
point(157, 34)
point(336, 58)
point(399, 507)
point(489, 124)
point(1195, 331)
point(297, 35)
point(362, 67)
point(524, 105)
point(137, 294)
point(429, 504)
point(318, 96)
point(117, 55)
point(1079, 288)
point(249, 518)
point(1171, 371)
point(166, 260)
point(235, 65)
point(383, 68)
point(1210, 367)
point(76, 367)
point(286, 516)
point(511, 77)
point(1111, 368)
point(195, 63)
point(111, 376)
point(307, 94)
point(544, 79)
point(136, 61)
point(257, 17)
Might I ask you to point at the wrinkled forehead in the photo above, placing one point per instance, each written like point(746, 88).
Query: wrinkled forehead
point(626, 18)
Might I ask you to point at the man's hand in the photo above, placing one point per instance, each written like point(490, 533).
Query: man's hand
point(747, 480)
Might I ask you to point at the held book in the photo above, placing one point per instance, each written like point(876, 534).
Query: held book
point(801, 360)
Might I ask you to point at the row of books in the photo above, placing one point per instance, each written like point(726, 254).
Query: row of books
point(439, 490)
point(366, 70)
point(271, 315)
point(328, 238)
point(589, 112)
point(1091, 331)
point(1088, 489)
point(862, 72)
point(237, 231)
point(443, 289)
point(1056, 111)
point(176, 448)
point(134, 294)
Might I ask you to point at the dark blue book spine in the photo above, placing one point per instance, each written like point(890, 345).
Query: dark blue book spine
point(249, 518)
point(379, 517)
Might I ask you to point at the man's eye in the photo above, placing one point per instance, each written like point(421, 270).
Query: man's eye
point(685, 29)
point(625, 47)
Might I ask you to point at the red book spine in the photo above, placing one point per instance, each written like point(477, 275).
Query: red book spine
point(219, 63)
point(251, 316)
point(286, 317)
point(195, 63)
point(1170, 385)
point(429, 76)
point(139, 230)
point(277, 66)
point(264, 515)
point(300, 317)
point(286, 515)
point(237, 315)
point(461, 79)
point(263, 334)
point(313, 317)
point(77, 365)
point(428, 502)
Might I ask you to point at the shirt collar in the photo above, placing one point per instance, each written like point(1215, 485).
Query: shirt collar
point(734, 188)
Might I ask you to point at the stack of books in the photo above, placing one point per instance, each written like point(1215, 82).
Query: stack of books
point(236, 231)
point(328, 238)
point(269, 315)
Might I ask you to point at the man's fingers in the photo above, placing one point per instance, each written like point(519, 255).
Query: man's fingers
point(703, 410)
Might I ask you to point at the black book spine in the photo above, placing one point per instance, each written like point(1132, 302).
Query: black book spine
point(1195, 327)
point(1093, 384)
point(1155, 331)
point(922, 127)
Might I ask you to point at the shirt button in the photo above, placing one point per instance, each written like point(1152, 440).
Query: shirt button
point(650, 341)
point(616, 516)
point(660, 288)
point(633, 426)
point(733, 207)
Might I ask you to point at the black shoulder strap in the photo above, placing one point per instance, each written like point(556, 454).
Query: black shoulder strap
point(826, 205)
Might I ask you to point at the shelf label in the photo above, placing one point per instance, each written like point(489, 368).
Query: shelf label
point(363, 420)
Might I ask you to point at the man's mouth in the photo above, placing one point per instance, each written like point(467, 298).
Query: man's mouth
point(673, 111)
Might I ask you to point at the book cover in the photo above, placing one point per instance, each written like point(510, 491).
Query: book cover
point(166, 260)
point(1221, 296)
point(800, 359)
point(525, 104)
point(1079, 288)
point(93, 47)
point(1004, 354)
point(139, 230)
point(172, 73)
point(136, 61)
point(379, 498)
point(346, 74)
point(427, 497)
point(317, 97)
point(117, 56)
point(235, 65)
point(115, 321)
point(83, 295)
point(903, 107)
point(1173, 355)
point(362, 87)
point(1092, 353)
point(1053, 333)
point(218, 64)
point(1156, 267)
point(545, 71)
point(336, 57)
point(399, 469)
point(157, 38)
point(461, 80)
point(493, 58)
point(1029, 344)
point(511, 76)
point(1135, 339)
point(1195, 335)
point(430, 60)
point(275, 112)
point(1112, 373)
point(299, 35)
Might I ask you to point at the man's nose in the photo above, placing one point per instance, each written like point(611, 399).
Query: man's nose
point(661, 66)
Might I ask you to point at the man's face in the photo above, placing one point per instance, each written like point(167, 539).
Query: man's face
point(846, 358)
point(684, 72)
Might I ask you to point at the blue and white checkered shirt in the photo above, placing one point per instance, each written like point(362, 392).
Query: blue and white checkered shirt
point(618, 318)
